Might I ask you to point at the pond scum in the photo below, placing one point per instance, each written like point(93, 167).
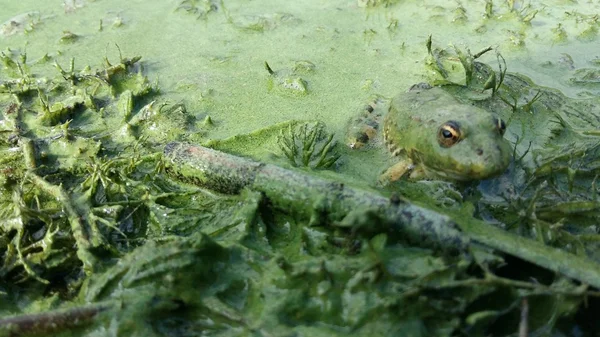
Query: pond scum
point(107, 230)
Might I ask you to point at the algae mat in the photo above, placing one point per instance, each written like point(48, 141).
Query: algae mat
point(102, 234)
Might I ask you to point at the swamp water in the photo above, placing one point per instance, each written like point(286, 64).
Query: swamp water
point(100, 236)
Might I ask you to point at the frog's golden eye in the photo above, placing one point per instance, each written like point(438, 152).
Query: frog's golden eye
point(500, 125)
point(449, 134)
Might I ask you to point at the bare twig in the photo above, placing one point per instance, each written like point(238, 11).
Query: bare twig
point(47, 323)
point(323, 201)
point(523, 324)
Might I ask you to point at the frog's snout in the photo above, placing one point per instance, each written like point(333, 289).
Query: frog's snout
point(491, 161)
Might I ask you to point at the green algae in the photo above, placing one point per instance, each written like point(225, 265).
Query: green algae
point(80, 166)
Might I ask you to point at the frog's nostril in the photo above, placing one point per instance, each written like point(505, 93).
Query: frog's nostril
point(479, 152)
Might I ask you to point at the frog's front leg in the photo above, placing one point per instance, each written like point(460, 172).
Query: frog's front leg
point(396, 172)
point(404, 168)
point(418, 173)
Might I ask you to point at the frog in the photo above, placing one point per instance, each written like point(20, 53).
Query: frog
point(434, 137)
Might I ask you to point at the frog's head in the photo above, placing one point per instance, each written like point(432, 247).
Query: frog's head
point(470, 147)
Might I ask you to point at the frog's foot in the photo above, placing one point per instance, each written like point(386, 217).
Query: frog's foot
point(404, 168)
point(363, 129)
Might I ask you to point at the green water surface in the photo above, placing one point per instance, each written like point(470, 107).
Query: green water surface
point(274, 274)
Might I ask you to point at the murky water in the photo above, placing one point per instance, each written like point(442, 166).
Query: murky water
point(339, 54)
point(211, 56)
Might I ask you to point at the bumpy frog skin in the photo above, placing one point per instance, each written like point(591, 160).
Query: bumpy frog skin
point(437, 137)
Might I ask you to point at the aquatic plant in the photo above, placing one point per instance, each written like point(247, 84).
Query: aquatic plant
point(200, 8)
point(287, 81)
point(308, 145)
point(377, 3)
point(443, 62)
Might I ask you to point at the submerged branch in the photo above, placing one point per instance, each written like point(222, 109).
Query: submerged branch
point(323, 201)
point(50, 322)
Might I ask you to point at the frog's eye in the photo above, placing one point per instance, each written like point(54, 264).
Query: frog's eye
point(500, 125)
point(449, 134)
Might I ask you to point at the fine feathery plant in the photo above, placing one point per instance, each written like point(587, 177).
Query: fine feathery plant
point(308, 145)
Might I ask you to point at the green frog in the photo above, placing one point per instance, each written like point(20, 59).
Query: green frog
point(436, 137)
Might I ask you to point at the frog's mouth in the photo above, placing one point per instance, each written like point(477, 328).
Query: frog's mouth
point(464, 174)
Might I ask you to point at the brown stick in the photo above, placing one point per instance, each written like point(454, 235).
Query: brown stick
point(49, 322)
point(323, 201)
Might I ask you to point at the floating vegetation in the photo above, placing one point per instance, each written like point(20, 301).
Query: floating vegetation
point(527, 13)
point(303, 67)
point(20, 81)
point(585, 76)
point(21, 23)
point(590, 33)
point(71, 6)
point(44, 126)
point(376, 3)
point(287, 81)
point(459, 14)
point(444, 62)
point(260, 23)
point(308, 145)
point(69, 37)
point(200, 8)
point(560, 35)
